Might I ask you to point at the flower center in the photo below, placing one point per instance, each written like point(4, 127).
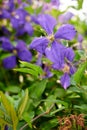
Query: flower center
point(14, 52)
point(51, 37)
point(28, 18)
point(13, 13)
point(66, 68)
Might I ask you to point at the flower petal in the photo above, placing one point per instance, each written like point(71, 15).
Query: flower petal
point(69, 54)
point(64, 18)
point(15, 23)
point(39, 44)
point(72, 70)
point(28, 28)
point(55, 54)
point(65, 81)
point(80, 38)
point(25, 55)
point(47, 22)
point(9, 62)
point(21, 45)
point(6, 45)
point(66, 32)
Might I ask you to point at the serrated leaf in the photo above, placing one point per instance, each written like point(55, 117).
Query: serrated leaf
point(23, 103)
point(14, 117)
point(79, 73)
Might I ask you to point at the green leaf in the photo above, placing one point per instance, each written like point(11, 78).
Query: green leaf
point(27, 71)
point(13, 89)
point(37, 89)
point(28, 118)
point(23, 104)
point(14, 117)
point(29, 68)
point(79, 73)
point(80, 3)
point(48, 125)
point(34, 67)
point(5, 103)
point(3, 122)
point(29, 9)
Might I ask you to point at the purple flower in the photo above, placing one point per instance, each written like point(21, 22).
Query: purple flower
point(4, 14)
point(20, 21)
point(64, 18)
point(19, 2)
point(6, 127)
point(80, 38)
point(55, 2)
point(62, 59)
point(20, 51)
point(48, 23)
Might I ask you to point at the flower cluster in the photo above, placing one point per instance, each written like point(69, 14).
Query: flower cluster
point(61, 56)
point(49, 45)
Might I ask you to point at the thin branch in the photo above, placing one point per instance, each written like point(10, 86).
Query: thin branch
point(42, 114)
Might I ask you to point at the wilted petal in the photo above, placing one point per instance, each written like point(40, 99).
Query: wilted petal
point(9, 62)
point(47, 22)
point(55, 54)
point(39, 44)
point(65, 81)
point(69, 54)
point(28, 28)
point(66, 32)
point(25, 55)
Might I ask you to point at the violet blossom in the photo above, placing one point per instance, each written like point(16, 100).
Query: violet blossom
point(19, 51)
point(48, 23)
point(62, 58)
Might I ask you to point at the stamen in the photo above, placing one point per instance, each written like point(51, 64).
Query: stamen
point(66, 69)
point(51, 37)
point(15, 52)
point(28, 18)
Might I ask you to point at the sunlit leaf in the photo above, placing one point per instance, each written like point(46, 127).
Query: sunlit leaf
point(14, 117)
point(37, 89)
point(5, 103)
point(23, 104)
point(79, 73)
